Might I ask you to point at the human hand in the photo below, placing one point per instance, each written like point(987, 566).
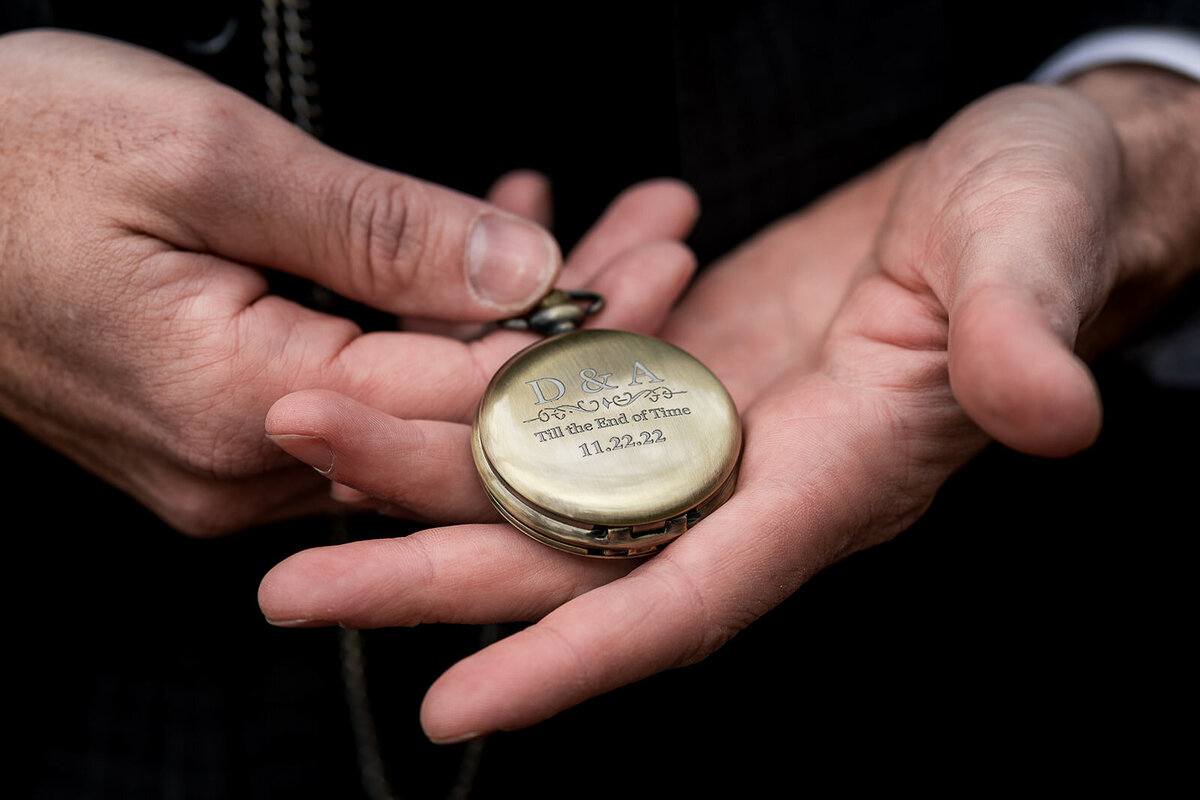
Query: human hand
point(138, 202)
point(954, 286)
point(400, 442)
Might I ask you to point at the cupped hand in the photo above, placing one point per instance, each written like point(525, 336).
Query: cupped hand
point(140, 203)
point(950, 290)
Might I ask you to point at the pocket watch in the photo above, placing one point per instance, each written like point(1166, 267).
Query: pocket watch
point(601, 442)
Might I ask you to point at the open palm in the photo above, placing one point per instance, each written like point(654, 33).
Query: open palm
point(873, 344)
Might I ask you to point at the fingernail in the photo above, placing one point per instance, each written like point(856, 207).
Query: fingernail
point(510, 262)
point(312, 450)
point(296, 623)
point(459, 739)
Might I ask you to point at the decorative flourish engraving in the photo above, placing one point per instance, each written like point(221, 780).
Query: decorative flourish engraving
point(653, 395)
point(561, 412)
point(621, 400)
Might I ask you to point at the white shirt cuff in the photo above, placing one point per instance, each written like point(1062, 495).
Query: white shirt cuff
point(1169, 48)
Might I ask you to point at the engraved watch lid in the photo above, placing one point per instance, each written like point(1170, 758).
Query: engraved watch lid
point(606, 443)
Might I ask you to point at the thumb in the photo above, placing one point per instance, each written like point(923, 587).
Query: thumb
point(277, 198)
point(1014, 373)
point(1034, 266)
point(1024, 190)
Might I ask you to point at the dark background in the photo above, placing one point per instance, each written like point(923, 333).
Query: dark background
point(1028, 631)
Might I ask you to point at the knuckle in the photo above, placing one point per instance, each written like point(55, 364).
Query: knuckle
point(388, 228)
point(199, 510)
point(210, 490)
point(1025, 180)
point(207, 456)
point(214, 444)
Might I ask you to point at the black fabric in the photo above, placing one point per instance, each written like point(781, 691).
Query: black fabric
point(1029, 626)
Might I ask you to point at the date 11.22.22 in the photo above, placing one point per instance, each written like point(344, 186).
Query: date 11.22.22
point(621, 442)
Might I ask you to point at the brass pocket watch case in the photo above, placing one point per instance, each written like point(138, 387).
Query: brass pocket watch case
point(606, 443)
